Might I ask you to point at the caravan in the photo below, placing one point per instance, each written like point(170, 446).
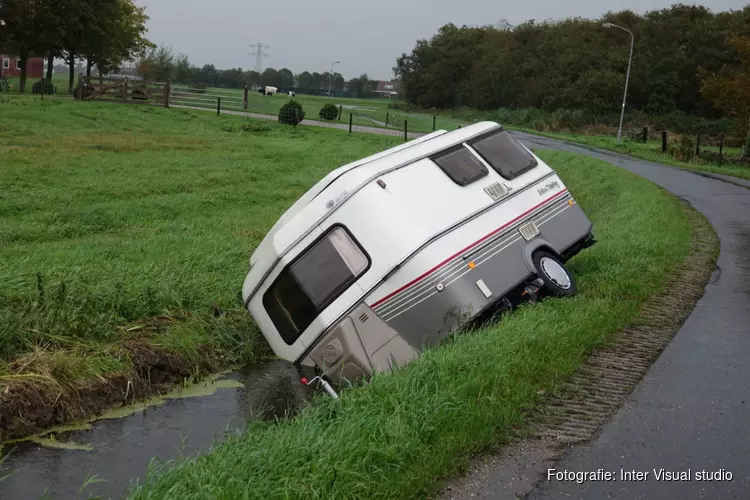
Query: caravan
point(387, 255)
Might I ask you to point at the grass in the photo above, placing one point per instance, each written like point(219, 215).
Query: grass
point(395, 436)
point(111, 214)
point(371, 112)
point(650, 151)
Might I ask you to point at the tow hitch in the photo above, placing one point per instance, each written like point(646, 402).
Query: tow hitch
point(326, 386)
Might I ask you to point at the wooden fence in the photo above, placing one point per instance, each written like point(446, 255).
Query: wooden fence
point(127, 91)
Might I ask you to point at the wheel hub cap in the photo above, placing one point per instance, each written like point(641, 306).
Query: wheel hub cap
point(555, 273)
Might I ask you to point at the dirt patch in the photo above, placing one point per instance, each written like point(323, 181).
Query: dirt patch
point(31, 405)
point(600, 386)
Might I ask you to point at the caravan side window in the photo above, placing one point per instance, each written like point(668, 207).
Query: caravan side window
point(313, 280)
point(504, 154)
point(460, 165)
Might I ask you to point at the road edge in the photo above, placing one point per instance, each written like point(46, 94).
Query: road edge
point(598, 388)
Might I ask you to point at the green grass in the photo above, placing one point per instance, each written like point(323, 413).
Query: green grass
point(371, 112)
point(650, 151)
point(395, 436)
point(110, 214)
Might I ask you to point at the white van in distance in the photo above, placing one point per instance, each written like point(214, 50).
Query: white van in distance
point(389, 254)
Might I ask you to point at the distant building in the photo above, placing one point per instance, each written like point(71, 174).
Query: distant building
point(10, 66)
point(386, 89)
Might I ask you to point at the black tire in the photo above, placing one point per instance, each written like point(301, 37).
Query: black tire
point(555, 284)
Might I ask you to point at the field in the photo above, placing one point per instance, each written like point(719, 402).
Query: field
point(111, 215)
point(395, 436)
point(127, 229)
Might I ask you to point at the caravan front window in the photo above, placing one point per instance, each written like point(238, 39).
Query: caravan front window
point(313, 280)
point(504, 154)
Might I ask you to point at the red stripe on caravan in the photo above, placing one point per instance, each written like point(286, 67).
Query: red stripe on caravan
point(484, 238)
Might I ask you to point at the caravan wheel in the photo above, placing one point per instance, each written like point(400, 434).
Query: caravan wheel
point(557, 279)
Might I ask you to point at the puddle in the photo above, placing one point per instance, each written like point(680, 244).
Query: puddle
point(117, 448)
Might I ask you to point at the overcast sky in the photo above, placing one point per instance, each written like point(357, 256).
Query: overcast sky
point(366, 37)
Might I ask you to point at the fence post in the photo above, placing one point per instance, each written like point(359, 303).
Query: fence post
point(721, 149)
point(433, 122)
point(350, 123)
point(664, 141)
point(341, 111)
point(244, 98)
point(167, 92)
point(125, 90)
point(406, 133)
point(645, 134)
point(698, 144)
point(218, 106)
point(387, 115)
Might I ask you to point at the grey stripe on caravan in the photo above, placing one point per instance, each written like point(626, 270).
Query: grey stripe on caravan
point(360, 187)
point(466, 271)
point(459, 261)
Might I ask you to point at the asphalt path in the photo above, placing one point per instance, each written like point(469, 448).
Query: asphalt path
point(691, 412)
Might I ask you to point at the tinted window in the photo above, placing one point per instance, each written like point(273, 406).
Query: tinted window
point(504, 154)
point(461, 165)
point(316, 278)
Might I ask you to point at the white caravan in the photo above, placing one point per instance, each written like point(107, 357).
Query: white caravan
point(391, 253)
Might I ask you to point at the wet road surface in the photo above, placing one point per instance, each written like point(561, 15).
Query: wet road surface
point(122, 448)
point(692, 409)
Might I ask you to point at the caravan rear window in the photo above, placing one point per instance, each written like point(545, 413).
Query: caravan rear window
point(460, 165)
point(504, 154)
point(313, 280)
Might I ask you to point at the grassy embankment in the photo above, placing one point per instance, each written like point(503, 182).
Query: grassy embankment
point(121, 227)
point(393, 437)
point(650, 151)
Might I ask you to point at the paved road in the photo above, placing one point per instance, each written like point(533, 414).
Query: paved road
point(692, 409)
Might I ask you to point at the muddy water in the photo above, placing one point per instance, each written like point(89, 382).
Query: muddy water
point(117, 450)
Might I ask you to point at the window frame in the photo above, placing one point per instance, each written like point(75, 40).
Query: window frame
point(470, 143)
point(19, 66)
point(332, 298)
point(445, 152)
point(6, 63)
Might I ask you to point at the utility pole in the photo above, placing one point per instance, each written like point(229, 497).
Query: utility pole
point(259, 55)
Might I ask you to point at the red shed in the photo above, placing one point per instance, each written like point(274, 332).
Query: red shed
point(11, 66)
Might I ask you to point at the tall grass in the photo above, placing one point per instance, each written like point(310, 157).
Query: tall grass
point(110, 214)
point(393, 437)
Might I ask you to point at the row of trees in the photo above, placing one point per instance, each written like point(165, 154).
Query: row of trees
point(102, 32)
point(161, 64)
point(577, 64)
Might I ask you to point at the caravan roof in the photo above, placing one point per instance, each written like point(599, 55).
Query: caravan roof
point(312, 208)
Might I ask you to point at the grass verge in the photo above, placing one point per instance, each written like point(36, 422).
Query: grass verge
point(125, 233)
point(645, 151)
point(396, 435)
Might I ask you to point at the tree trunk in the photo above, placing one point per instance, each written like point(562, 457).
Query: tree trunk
point(50, 65)
point(88, 68)
point(22, 83)
point(71, 73)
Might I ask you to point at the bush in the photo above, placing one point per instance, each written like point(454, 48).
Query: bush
point(198, 88)
point(684, 150)
point(329, 112)
point(47, 85)
point(291, 113)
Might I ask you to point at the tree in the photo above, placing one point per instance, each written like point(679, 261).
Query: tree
point(29, 28)
point(117, 34)
point(362, 86)
point(729, 88)
point(286, 78)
